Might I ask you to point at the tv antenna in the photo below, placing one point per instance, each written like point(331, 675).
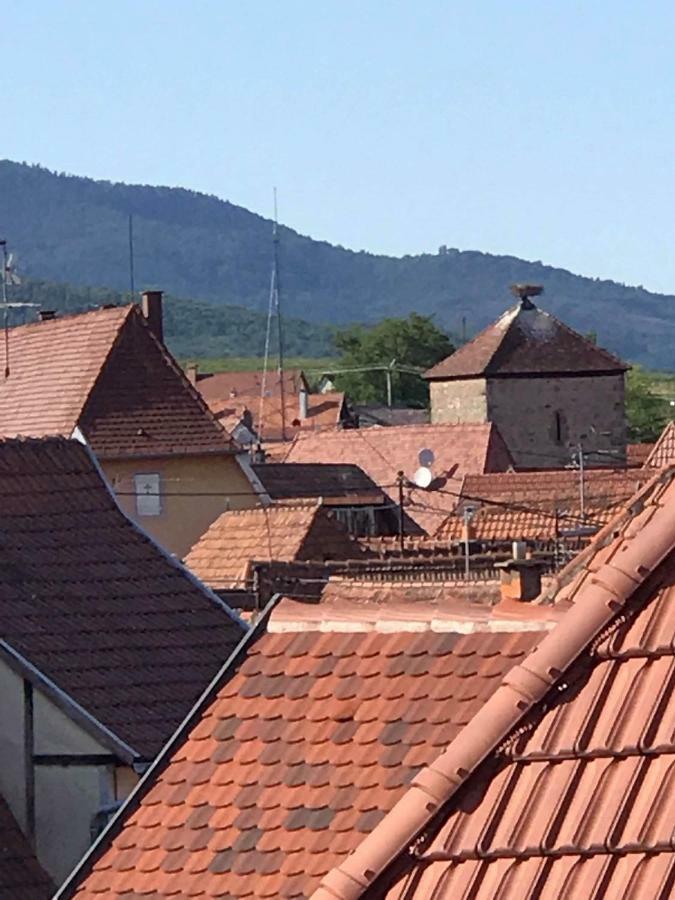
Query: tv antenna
point(274, 309)
point(9, 278)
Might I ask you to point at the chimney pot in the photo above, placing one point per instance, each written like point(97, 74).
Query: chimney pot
point(46, 315)
point(151, 307)
point(303, 403)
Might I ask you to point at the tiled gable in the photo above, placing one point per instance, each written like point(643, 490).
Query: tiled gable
point(280, 533)
point(104, 372)
point(94, 604)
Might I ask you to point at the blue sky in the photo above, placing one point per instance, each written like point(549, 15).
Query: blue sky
point(541, 129)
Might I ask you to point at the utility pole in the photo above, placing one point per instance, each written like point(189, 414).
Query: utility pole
point(582, 487)
point(132, 286)
point(467, 513)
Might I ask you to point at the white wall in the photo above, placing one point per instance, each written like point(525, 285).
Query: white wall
point(66, 797)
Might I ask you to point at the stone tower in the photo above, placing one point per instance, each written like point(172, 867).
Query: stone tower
point(545, 386)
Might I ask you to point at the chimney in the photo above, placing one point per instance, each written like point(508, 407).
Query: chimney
point(46, 315)
point(303, 403)
point(192, 370)
point(151, 307)
point(520, 579)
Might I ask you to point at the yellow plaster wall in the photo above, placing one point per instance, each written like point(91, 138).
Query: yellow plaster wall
point(183, 518)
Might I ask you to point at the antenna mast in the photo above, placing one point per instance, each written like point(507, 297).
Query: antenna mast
point(9, 276)
point(131, 257)
point(277, 303)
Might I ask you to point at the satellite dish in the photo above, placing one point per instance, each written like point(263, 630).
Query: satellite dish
point(423, 477)
point(426, 457)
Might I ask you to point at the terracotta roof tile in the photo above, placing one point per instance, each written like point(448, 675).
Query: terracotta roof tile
point(94, 604)
point(105, 372)
point(577, 795)
point(331, 773)
point(21, 876)
point(383, 452)
point(526, 340)
point(223, 385)
point(283, 533)
point(663, 451)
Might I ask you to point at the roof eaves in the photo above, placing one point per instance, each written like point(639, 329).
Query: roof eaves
point(600, 599)
point(84, 865)
point(64, 701)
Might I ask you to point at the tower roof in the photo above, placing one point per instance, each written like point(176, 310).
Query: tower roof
point(526, 340)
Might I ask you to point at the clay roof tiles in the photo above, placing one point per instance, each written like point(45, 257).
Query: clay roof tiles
point(283, 481)
point(383, 452)
point(300, 754)
point(525, 340)
point(104, 372)
point(563, 782)
point(98, 608)
point(663, 451)
point(293, 531)
point(21, 876)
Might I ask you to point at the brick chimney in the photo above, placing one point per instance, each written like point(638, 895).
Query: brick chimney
point(520, 579)
point(151, 307)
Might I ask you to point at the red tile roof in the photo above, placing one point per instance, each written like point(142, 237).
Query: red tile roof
point(105, 372)
point(98, 608)
point(227, 385)
point(557, 488)
point(21, 876)
point(637, 454)
point(663, 451)
point(525, 340)
point(293, 531)
point(299, 756)
point(562, 785)
point(492, 523)
point(324, 412)
point(383, 452)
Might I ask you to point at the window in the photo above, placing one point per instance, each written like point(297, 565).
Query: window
point(559, 427)
point(148, 501)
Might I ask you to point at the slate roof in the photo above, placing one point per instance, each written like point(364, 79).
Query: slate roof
point(222, 557)
point(383, 452)
point(663, 451)
point(91, 602)
point(299, 755)
point(284, 481)
point(370, 415)
point(105, 372)
point(562, 785)
point(525, 340)
point(21, 876)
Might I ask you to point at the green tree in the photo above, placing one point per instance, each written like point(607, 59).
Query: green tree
point(415, 342)
point(647, 413)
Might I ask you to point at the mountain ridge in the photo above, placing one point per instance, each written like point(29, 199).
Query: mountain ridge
point(72, 229)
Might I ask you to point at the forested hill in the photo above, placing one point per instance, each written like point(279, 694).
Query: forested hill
point(71, 229)
point(192, 329)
